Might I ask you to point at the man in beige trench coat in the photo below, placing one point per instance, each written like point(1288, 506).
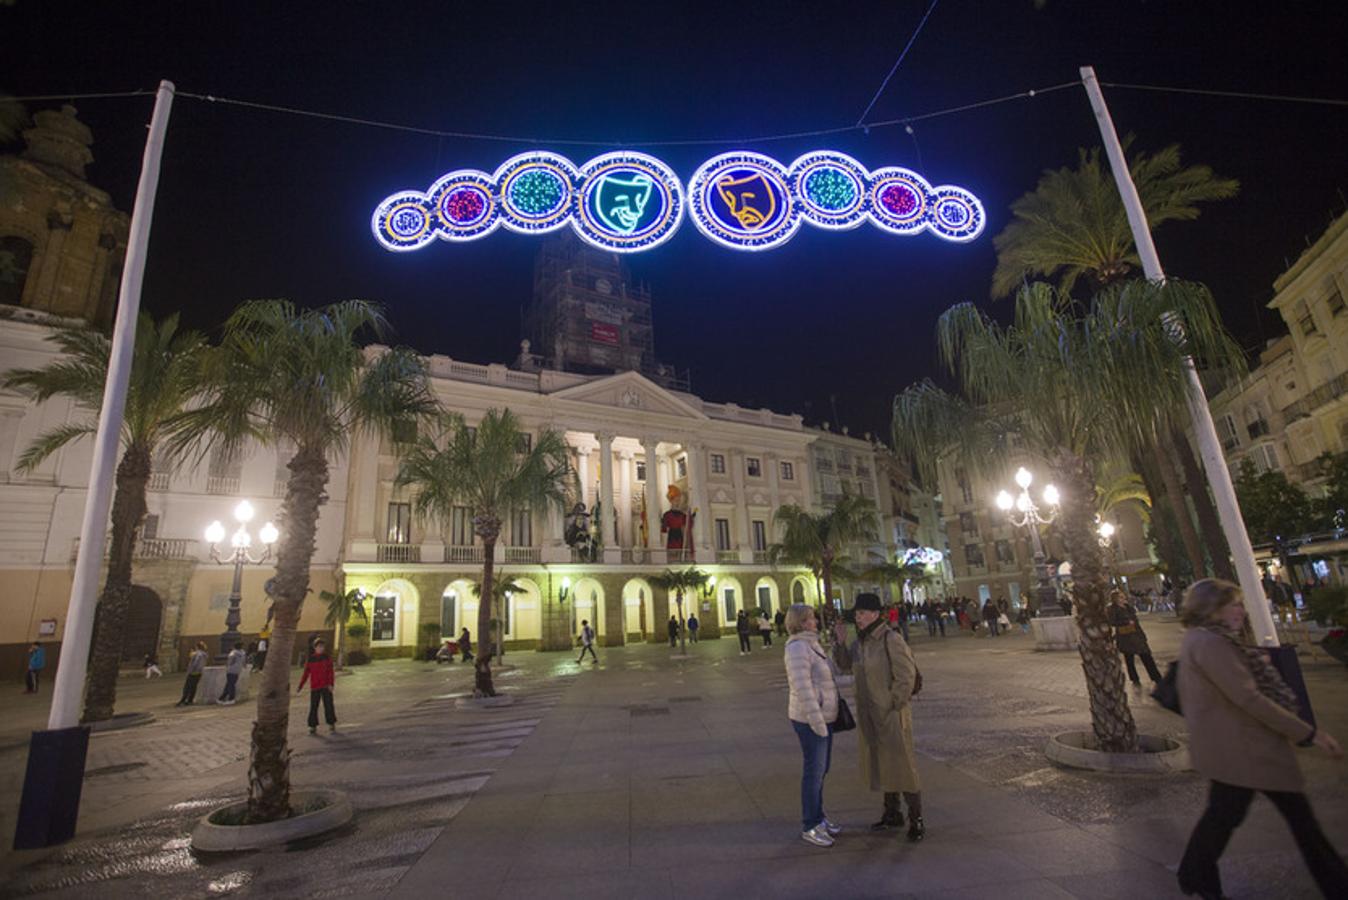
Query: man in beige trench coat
point(886, 676)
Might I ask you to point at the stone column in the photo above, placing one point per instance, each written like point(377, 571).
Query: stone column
point(774, 472)
point(625, 457)
point(583, 473)
point(653, 511)
point(697, 479)
point(606, 497)
point(739, 478)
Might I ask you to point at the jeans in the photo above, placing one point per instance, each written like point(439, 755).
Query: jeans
point(329, 711)
point(903, 626)
point(931, 627)
point(767, 638)
point(1227, 805)
point(190, 689)
point(992, 627)
point(818, 753)
point(692, 635)
point(1150, 664)
point(744, 641)
point(588, 648)
point(30, 680)
point(231, 686)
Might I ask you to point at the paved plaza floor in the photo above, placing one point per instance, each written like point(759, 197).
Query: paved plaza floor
point(654, 776)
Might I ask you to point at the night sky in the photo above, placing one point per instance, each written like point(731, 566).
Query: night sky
point(260, 204)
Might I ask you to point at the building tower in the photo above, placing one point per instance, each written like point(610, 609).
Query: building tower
point(586, 316)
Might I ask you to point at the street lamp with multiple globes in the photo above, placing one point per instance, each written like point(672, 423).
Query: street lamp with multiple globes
point(1023, 512)
point(1106, 531)
point(240, 541)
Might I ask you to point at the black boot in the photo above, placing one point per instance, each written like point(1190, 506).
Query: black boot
point(893, 815)
point(917, 829)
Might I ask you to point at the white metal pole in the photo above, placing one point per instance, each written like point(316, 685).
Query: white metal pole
point(66, 696)
point(1219, 476)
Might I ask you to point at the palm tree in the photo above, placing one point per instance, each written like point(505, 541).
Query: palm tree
point(165, 376)
point(680, 581)
point(341, 607)
point(298, 376)
point(1072, 388)
point(492, 469)
point(502, 587)
point(1073, 224)
point(897, 574)
point(815, 540)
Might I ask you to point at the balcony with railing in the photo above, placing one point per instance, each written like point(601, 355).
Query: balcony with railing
point(680, 556)
point(398, 553)
point(727, 556)
point(222, 484)
point(639, 556)
point(158, 482)
point(151, 548)
point(1325, 393)
point(522, 555)
point(760, 557)
point(470, 554)
point(278, 487)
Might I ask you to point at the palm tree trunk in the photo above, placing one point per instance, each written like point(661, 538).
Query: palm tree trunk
point(1188, 534)
point(269, 768)
point(1111, 719)
point(128, 509)
point(1209, 525)
point(482, 684)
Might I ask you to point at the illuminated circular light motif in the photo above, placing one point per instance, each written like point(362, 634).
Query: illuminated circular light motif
point(830, 189)
point(464, 206)
point(743, 201)
point(899, 200)
point(536, 191)
point(957, 215)
point(628, 202)
point(403, 222)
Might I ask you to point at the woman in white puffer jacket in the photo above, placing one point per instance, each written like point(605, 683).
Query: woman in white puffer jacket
point(812, 707)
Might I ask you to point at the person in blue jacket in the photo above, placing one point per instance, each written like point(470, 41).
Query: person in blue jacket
point(37, 661)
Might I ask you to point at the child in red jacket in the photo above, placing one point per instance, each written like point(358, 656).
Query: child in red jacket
point(318, 672)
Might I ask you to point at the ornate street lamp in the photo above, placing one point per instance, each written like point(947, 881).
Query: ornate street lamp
point(1023, 512)
point(240, 541)
point(1106, 531)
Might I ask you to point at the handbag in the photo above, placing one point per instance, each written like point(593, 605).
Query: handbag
point(1166, 692)
point(844, 721)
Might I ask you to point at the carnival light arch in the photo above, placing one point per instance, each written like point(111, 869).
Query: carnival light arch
point(626, 202)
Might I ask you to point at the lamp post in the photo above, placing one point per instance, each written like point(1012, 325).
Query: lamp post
point(1023, 512)
point(240, 541)
point(1106, 532)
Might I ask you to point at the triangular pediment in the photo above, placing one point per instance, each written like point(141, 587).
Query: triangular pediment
point(630, 390)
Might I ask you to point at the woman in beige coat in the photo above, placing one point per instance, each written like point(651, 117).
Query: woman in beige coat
point(812, 708)
point(885, 678)
point(1241, 718)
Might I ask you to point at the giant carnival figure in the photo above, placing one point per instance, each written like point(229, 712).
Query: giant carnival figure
point(677, 523)
point(578, 534)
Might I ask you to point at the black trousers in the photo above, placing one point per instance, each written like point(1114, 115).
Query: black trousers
point(1227, 805)
point(1150, 664)
point(231, 687)
point(30, 679)
point(587, 648)
point(744, 641)
point(767, 638)
point(190, 689)
point(329, 711)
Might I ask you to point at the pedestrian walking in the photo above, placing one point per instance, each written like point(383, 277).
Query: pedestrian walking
point(693, 626)
point(812, 706)
point(37, 661)
point(466, 646)
point(901, 613)
point(233, 669)
point(152, 667)
point(321, 678)
point(673, 628)
point(1023, 620)
point(1130, 639)
point(765, 629)
point(196, 664)
point(586, 642)
point(742, 631)
point(780, 621)
point(260, 658)
point(1242, 719)
point(886, 680)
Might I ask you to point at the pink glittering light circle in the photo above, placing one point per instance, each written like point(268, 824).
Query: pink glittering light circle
point(464, 205)
point(899, 199)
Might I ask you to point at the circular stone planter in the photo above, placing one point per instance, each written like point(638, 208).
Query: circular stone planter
point(497, 702)
point(326, 810)
point(122, 720)
point(1159, 756)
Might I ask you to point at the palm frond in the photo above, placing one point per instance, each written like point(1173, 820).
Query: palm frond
point(47, 443)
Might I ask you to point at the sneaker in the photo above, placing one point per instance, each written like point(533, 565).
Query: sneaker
point(313, 729)
point(332, 729)
point(831, 827)
point(817, 836)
